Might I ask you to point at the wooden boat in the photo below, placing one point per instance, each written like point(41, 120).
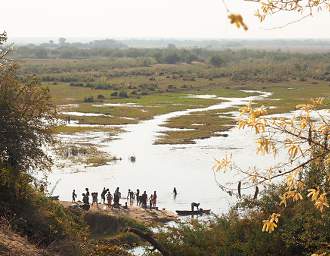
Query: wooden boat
point(198, 212)
point(55, 198)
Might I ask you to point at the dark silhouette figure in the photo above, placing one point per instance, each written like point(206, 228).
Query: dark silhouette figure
point(109, 199)
point(95, 200)
point(104, 192)
point(85, 200)
point(193, 205)
point(137, 197)
point(175, 193)
point(154, 199)
point(144, 199)
point(74, 196)
point(116, 197)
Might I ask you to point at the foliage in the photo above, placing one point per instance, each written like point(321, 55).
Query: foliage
point(303, 230)
point(306, 174)
point(26, 118)
point(32, 214)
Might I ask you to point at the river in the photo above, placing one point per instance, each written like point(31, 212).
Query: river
point(163, 167)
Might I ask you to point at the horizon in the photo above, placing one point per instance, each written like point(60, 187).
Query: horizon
point(151, 19)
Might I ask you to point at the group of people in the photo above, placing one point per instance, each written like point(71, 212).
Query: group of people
point(113, 200)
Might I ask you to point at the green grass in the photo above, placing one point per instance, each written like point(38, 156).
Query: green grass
point(210, 123)
point(65, 94)
point(79, 129)
point(286, 100)
point(158, 103)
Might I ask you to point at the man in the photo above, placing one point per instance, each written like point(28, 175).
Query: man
point(74, 196)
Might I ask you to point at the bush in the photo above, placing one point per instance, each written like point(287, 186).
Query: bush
point(34, 215)
point(303, 230)
point(123, 94)
point(89, 99)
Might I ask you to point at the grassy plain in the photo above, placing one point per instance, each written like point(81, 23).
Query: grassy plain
point(158, 89)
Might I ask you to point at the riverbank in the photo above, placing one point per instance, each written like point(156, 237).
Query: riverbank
point(145, 216)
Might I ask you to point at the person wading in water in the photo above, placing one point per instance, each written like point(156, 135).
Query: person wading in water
point(175, 193)
point(74, 196)
point(104, 192)
point(137, 197)
point(144, 199)
point(109, 199)
point(154, 199)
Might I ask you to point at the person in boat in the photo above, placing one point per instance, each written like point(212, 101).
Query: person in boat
point(175, 193)
point(193, 205)
point(104, 192)
point(154, 199)
point(109, 199)
point(94, 198)
point(74, 196)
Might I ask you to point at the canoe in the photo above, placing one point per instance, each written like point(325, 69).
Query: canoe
point(199, 212)
point(55, 198)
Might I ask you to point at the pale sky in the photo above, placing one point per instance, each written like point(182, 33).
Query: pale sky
point(148, 19)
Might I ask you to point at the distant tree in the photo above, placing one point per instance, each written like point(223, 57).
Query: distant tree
point(41, 53)
point(216, 61)
point(61, 41)
point(171, 58)
point(123, 94)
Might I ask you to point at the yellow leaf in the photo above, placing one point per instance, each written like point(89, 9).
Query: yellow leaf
point(237, 19)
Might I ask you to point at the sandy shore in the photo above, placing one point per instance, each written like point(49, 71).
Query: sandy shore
point(143, 215)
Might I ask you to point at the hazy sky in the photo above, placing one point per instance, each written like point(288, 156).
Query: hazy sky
point(148, 18)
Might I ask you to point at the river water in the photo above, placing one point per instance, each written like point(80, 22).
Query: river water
point(163, 167)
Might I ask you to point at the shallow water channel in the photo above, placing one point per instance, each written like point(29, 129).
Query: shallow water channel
point(163, 167)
